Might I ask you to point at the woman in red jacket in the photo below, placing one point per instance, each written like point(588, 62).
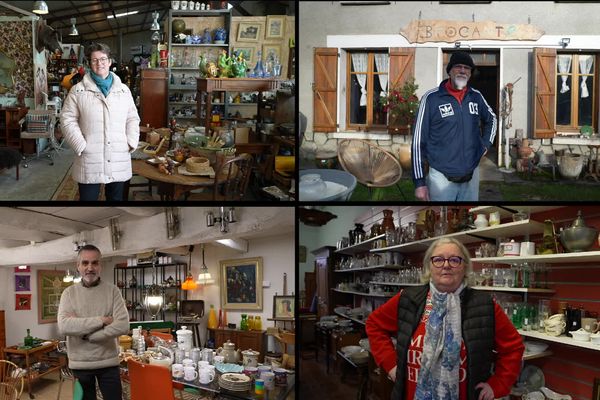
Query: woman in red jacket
point(453, 342)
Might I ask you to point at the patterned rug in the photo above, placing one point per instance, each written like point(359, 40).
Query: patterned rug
point(69, 190)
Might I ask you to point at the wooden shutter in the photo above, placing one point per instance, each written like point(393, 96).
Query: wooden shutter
point(325, 89)
point(402, 65)
point(544, 93)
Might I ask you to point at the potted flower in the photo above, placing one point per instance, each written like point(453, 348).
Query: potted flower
point(401, 105)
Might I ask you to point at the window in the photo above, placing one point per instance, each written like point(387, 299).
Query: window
point(575, 103)
point(367, 81)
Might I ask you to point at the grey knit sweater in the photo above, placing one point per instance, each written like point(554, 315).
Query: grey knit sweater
point(89, 344)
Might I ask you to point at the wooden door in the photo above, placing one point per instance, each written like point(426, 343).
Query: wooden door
point(310, 286)
point(544, 93)
point(153, 98)
point(325, 89)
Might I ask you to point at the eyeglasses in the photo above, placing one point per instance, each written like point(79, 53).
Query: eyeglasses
point(97, 61)
point(453, 262)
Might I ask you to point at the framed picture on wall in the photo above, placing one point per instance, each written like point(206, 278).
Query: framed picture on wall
point(22, 283)
point(248, 31)
point(283, 306)
point(22, 302)
point(241, 284)
point(275, 27)
point(248, 51)
point(50, 288)
point(269, 49)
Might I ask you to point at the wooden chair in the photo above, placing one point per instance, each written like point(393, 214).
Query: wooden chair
point(231, 180)
point(11, 376)
point(8, 392)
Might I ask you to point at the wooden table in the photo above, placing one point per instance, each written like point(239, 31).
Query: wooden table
point(209, 85)
point(32, 356)
point(170, 187)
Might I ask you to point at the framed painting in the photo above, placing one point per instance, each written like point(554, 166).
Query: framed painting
point(273, 49)
point(50, 288)
point(241, 284)
point(275, 27)
point(22, 283)
point(248, 31)
point(248, 51)
point(22, 302)
point(23, 269)
point(283, 307)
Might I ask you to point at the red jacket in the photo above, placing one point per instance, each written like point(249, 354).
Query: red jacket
point(382, 325)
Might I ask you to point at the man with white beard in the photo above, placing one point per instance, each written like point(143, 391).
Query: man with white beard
point(454, 129)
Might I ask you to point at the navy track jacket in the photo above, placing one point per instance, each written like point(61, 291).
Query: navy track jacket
point(447, 134)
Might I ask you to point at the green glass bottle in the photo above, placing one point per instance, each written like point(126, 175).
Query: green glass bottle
point(244, 322)
point(28, 341)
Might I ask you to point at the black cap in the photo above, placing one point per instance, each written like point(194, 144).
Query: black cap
point(460, 57)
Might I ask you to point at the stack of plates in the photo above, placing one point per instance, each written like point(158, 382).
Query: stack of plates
point(235, 382)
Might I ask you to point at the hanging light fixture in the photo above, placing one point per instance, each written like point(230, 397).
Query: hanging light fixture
point(225, 218)
point(204, 277)
point(40, 7)
point(189, 283)
point(155, 25)
point(153, 301)
point(173, 227)
point(77, 279)
point(68, 277)
point(115, 233)
point(73, 31)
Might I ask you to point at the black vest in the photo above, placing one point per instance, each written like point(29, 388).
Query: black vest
point(478, 330)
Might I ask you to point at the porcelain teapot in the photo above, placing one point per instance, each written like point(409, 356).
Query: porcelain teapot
point(229, 352)
point(158, 358)
point(250, 358)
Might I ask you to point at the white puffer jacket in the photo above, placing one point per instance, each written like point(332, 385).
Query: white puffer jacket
point(101, 130)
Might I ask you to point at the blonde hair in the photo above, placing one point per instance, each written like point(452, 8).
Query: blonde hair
point(426, 275)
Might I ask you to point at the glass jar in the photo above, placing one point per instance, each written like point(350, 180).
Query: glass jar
point(359, 233)
point(250, 323)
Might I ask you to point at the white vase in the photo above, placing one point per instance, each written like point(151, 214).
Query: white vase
point(481, 221)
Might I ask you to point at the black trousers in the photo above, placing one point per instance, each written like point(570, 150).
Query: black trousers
point(91, 191)
point(109, 382)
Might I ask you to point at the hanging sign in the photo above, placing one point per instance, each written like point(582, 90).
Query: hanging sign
point(433, 30)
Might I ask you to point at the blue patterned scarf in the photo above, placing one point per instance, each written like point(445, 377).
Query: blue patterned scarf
point(440, 361)
point(103, 84)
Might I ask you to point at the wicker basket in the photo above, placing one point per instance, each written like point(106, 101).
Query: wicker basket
point(197, 164)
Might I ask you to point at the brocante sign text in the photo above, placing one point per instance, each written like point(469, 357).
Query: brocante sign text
point(433, 30)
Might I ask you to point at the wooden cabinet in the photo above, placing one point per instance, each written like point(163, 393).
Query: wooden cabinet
point(10, 130)
point(153, 97)
point(244, 340)
point(184, 58)
point(324, 268)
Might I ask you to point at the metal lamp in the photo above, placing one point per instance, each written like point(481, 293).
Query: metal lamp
point(153, 302)
point(40, 7)
point(204, 277)
point(73, 31)
point(225, 218)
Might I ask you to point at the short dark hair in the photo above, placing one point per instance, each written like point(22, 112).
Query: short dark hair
point(94, 46)
point(87, 247)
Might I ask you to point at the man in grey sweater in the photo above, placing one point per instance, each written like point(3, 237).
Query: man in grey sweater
point(92, 314)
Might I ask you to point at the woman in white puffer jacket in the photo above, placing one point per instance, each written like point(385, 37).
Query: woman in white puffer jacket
point(101, 124)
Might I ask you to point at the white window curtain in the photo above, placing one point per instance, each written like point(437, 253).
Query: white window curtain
point(564, 66)
point(585, 66)
point(359, 60)
point(382, 62)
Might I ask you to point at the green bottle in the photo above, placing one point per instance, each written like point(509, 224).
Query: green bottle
point(244, 322)
point(28, 341)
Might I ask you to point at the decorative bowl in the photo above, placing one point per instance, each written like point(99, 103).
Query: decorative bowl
point(360, 357)
point(228, 367)
point(535, 347)
point(579, 238)
point(349, 350)
point(335, 179)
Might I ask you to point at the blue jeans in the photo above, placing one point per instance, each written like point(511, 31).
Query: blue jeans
point(91, 191)
point(441, 189)
point(109, 382)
